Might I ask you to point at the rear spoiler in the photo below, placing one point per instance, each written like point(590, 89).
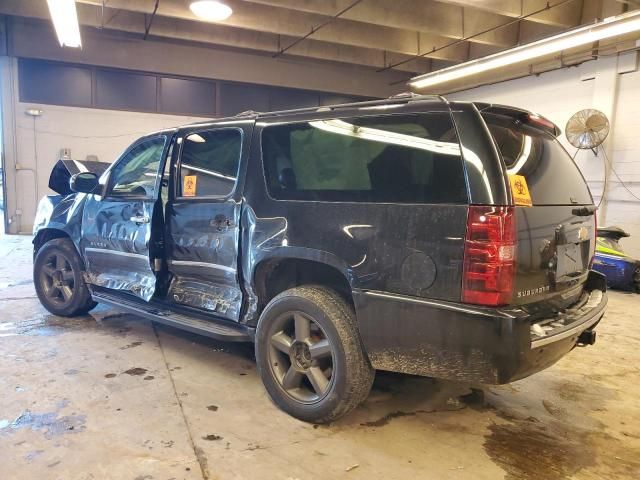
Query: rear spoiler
point(524, 116)
point(63, 170)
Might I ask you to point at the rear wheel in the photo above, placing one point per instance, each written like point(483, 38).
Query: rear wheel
point(57, 275)
point(310, 356)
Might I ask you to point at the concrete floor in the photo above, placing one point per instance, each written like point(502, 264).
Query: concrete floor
point(112, 396)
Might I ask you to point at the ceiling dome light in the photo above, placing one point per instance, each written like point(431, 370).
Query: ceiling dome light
point(210, 10)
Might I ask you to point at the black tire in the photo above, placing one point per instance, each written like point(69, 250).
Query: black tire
point(57, 276)
point(331, 349)
point(636, 280)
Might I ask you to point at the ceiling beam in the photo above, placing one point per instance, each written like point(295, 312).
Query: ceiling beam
point(32, 38)
point(427, 16)
point(267, 19)
point(565, 16)
point(221, 35)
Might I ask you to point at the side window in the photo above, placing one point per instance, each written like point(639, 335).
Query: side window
point(412, 158)
point(136, 173)
point(209, 163)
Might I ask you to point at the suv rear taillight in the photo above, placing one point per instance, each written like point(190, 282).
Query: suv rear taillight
point(489, 256)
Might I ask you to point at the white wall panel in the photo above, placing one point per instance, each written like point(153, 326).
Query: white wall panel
point(559, 94)
point(86, 131)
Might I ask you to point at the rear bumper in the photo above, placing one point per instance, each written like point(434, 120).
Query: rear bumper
point(468, 343)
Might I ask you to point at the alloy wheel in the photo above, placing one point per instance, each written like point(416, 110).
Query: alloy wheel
point(301, 357)
point(57, 279)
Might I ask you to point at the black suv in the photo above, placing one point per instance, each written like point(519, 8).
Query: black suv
point(416, 235)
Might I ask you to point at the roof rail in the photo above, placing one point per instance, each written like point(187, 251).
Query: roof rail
point(248, 113)
point(400, 98)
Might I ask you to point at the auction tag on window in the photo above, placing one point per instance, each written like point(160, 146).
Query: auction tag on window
point(189, 186)
point(520, 190)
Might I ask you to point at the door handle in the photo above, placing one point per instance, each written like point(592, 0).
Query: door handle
point(139, 220)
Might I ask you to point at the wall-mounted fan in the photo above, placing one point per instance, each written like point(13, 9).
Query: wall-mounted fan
point(587, 129)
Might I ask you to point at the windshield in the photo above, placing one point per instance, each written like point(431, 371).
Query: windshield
point(552, 176)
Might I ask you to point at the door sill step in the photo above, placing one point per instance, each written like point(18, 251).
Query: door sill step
point(211, 327)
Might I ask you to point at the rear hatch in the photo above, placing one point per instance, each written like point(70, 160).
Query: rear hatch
point(556, 233)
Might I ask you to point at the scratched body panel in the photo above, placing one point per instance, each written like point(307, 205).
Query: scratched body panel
point(203, 256)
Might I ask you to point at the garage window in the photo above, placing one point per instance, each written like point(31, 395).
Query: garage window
point(209, 163)
point(394, 158)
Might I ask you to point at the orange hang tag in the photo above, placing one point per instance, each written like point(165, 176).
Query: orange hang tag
point(520, 190)
point(189, 186)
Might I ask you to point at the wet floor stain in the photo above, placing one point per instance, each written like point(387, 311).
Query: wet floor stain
point(572, 391)
point(381, 422)
point(149, 377)
point(531, 449)
point(110, 375)
point(50, 423)
point(553, 409)
point(136, 371)
point(212, 408)
point(46, 325)
point(525, 450)
point(131, 345)
point(212, 437)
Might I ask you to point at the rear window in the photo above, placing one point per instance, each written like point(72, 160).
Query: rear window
point(393, 158)
point(209, 163)
point(552, 176)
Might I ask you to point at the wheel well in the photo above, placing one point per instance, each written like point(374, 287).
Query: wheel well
point(275, 276)
point(43, 236)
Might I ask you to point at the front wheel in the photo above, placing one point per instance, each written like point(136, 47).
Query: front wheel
point(310, 356)
point(57, 275)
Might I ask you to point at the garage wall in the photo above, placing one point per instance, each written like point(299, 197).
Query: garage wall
point(611, 85)
point(248, 80)
point(623, 208)
point(103, 133)
point(70, 97)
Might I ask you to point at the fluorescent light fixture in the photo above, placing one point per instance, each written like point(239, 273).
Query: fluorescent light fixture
point(210, 10)
point(608, 28)
point(65, 21)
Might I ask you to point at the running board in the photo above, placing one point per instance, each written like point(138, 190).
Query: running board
point(211, 327)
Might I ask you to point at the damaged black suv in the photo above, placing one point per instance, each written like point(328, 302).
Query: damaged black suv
point(416, 235)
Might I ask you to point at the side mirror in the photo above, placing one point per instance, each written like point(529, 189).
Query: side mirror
point(84, 182)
